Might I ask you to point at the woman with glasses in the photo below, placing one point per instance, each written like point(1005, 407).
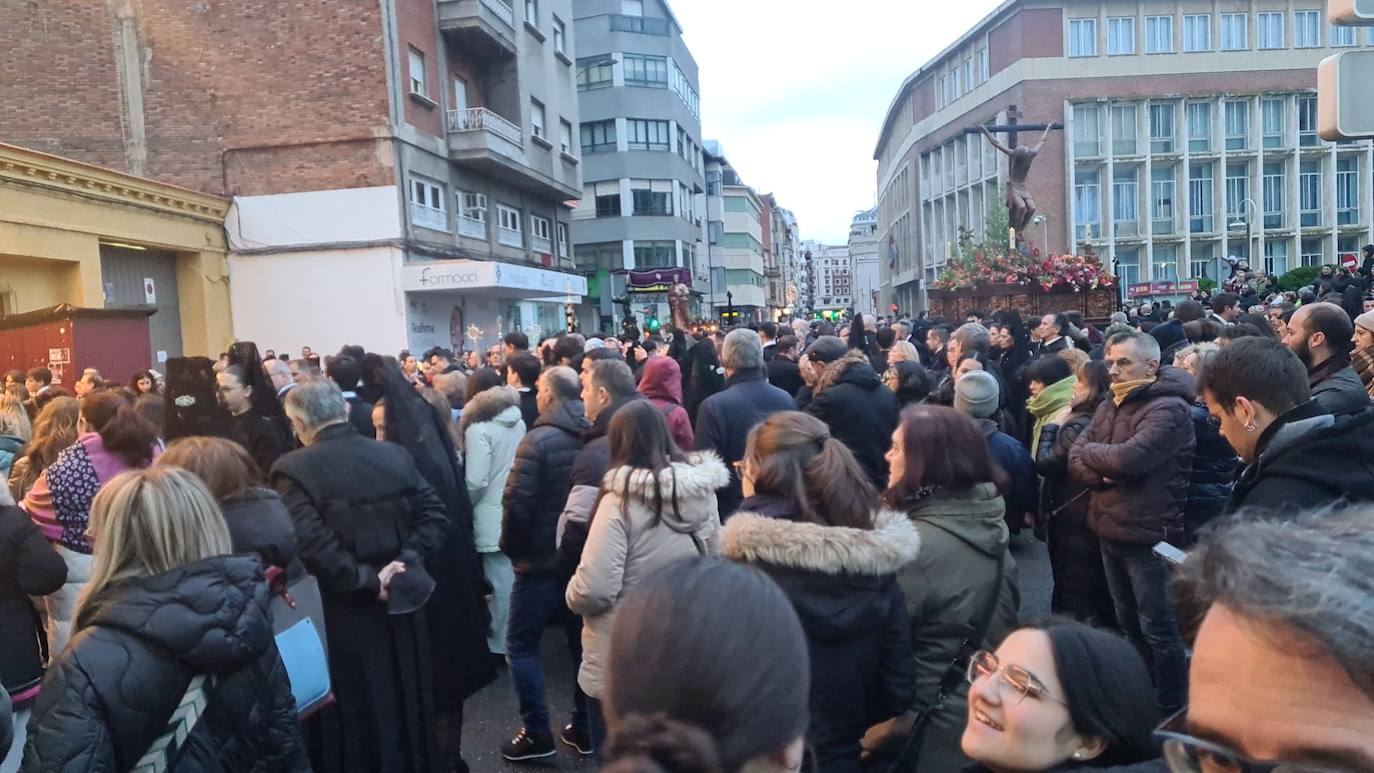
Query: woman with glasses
point(258, 432)
point(909, 381)
point(1060, 695)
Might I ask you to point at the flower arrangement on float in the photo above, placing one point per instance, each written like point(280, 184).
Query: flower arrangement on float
point(1053, 273)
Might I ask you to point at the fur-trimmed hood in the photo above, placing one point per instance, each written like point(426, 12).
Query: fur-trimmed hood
point(489, 405)
point(694, 480)
point(854, 368)
point(892, 543)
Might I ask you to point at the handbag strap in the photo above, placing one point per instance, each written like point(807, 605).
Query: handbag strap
point(162, 753)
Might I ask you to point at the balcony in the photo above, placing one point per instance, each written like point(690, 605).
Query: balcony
point(489, 144)
point(428, 217)
point(640, 24)
point(484, 27)
point(472, 227)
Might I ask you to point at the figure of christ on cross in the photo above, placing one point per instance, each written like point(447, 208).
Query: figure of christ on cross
point(1020, 205)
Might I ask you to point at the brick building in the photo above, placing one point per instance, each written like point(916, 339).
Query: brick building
point(1190, 138)
point(379, 155)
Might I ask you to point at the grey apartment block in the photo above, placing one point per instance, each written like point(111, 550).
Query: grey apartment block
point(641, 147)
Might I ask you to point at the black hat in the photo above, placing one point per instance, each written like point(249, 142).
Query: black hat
point(409, 590)
point(827, 349)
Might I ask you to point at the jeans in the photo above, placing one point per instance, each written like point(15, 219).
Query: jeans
point(597, 717)
point(501, 576)
point(535, 600)
point(1139, 583)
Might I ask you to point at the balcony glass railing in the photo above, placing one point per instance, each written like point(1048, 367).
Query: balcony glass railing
point(477, 119)
point(622, 23)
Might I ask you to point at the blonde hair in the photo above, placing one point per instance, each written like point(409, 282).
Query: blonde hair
point(1074, 357)
point(906, 350)
point(14, 420)
point(149, 522)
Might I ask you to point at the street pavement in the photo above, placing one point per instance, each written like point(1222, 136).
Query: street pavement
point(492, 716)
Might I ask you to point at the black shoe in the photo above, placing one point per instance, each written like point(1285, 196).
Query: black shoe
point(528, 746)
point(578, 738)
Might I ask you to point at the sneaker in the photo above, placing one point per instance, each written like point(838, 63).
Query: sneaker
point(578, 738)
point(528, 746)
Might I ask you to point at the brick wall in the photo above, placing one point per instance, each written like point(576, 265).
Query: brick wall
point(415, 29)
point(241, 96)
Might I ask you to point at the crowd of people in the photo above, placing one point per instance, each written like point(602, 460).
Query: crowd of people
point(772, 548)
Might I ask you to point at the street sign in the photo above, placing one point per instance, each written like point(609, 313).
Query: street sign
point(1348, 260)
point(1350, 13)
point(1344, 109)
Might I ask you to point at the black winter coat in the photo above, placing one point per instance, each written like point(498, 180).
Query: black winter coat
point(1309, 458)
point(860, 411)
point(1341, 392)
point(1080, 583)
point(724, 422)
point(1214, 473)
point(360, 416)
point(537, 488)
point(785, 374)
point(262, 436)
point(1137, 458)
point(110, 694)
point(28, 567)
point(584, 488)
point(843, 584)
point(260, 523)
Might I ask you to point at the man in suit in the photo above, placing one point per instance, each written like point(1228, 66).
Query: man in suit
point(783, 371)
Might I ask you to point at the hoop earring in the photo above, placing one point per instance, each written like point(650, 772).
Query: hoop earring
point(1252, 426)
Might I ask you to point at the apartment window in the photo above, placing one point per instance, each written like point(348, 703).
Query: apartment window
point(1162, 200)
point(646, 71)
point(607, 197)
point(1197, 32)
point(1271, 122)
point(652, 197)
point(1086, 132)
point(1234, 35)
point(1082, 37)
point(1307, 121)
point(1121, 36)
point(540, 235)
point(1087, 204)
point(713, 183)
point(1343, 37)
point(508, 218)
point(1310, 194)
point(598, 137)
point(427, 204)
point(532, 12)
point(1273, 195)
point(1312, 251)
point(1200, 196)
point(1276, 257)
point(647, 135)
point(715, 232)
point(595, 73)
point(472, 214)
point(537, 118)
point(1162, 128)
point(565, 136)
point(632, 7)
point(562, 230)
point(1347, 191)
point(968, 74)
point(1237, 191)
point(1269, 28)
point(984, 69)
point(1124, 130)
point(1237, 124)
point(460, 93)
point(655, 254)
point(1124, 210)
point(1165, 264)
point(1199, 127)
point(560, 36)
point(418, 83)
point(941, 98)
point(1159, 34)
point(955, 89)
point(1307, 29)
point(1128, 261)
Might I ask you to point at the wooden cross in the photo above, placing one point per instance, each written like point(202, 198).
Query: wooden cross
point(1013, 127)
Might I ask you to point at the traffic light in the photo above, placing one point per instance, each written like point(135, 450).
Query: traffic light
point(652, 324)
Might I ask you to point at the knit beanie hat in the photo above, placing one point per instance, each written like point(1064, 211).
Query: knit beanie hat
point(976, 394)
point(1366, 321)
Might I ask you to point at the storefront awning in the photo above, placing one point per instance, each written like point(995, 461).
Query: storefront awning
point(491, 278)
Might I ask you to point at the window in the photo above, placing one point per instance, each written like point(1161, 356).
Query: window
point(1271, 119)
point(941, 98)
point(1307, 29)
point(715, 232)
point(1082, 37)
point(1312, 251)
point(652, 197)
point(1165, 264)
point(1273, 195)
point(1342, 37)
point(1162, 200)
point(418, 84)
point(565, 136)
point(562, 229)
point(539, 234)
point(1086, 133)
point(968, 74)
point(472, 211)
point(1269, 27)
point(595, 73)
point(1087, 205)
point(1276, 257)
point(509, 220)
point(646, 71)
point(713, 183)
point(984, 71)
point(1159, 34)
point(532, 12)
point(1123, 130)
point(1200, 195)
point(460, 93)
point(591, 257)
point(1307, 121)
point(955, 90)
point(1310, 194)
point(632, 7)
point(1234, 35)
point(1237, 124)
point(1124, 210)
point(536, 118)
point(1237, 191)
point(560, 36)
point(1202, 258)
point(427, 204)
point(598, 137)
point(607, 197)
point(655, 254)
point(1121, 36)
point(1199, 126)
point(1197, 32)
point(1128, 261)
point(1347, 191)
point(647, 135)
point(1162, 128)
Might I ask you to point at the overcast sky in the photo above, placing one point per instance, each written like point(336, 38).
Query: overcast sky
point(796, 97)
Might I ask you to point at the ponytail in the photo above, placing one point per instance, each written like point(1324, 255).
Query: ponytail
point(660, 744)
point(123, 431)
point(795, 457)
point(834, 479)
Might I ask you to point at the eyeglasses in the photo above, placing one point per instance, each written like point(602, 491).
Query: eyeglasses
point(1186, 754)
point(1021, 682)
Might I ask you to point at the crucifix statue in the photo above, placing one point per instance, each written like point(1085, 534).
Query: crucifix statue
point(1020, 205)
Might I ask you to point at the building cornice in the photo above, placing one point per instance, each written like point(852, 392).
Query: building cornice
point(22, 166)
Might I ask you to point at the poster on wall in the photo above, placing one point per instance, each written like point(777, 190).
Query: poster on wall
point(56, 369)
point(149, 291)
point(60, 355)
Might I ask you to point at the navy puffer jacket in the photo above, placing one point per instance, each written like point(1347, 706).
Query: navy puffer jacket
point(1214, 473)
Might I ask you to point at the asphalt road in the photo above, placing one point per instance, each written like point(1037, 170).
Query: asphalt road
point(492, 716)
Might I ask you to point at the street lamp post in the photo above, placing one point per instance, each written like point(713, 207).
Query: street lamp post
point(1251, 214)
point(1044, 222)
